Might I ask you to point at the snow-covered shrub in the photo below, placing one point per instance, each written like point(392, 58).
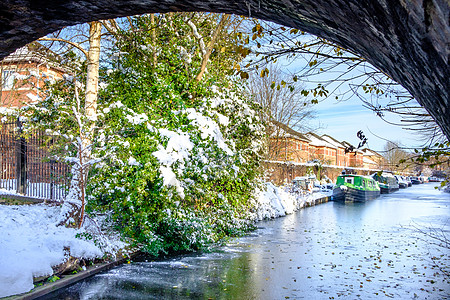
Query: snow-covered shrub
point(169, 143)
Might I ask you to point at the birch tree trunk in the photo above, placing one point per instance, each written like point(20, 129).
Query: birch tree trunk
point(93, 61)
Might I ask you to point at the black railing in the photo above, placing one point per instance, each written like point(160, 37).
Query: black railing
point(26, 166)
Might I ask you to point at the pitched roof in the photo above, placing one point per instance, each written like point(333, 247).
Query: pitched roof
point(367, 160)
point(35, 52)
point(332, 141)
point(370, 152)
point(319, 141)
point(348, 145)
point(286, 131)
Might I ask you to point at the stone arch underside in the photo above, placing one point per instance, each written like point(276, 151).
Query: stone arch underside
point(407, 39)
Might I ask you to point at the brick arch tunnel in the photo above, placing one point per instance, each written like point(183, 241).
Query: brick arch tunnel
point(408, 40)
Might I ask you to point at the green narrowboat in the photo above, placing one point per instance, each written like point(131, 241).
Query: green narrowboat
point(355, 188)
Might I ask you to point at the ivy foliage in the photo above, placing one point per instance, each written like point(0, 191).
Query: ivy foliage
point(179, 157)
point(174, 160)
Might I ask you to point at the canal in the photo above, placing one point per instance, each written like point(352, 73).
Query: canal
point(381, 249)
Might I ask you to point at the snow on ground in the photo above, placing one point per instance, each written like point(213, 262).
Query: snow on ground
point(31, 243)
point(7, 192)
point(276, 202)
point(34, 189)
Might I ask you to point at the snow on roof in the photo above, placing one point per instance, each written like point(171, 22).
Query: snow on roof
point(332, 141)
point(318, 141)
point(286, 131)
point(370, 152)
point(36, 52)
point(368, 160)
point(348, 145)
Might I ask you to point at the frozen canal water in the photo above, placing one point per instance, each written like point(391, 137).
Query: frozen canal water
point(367, 250)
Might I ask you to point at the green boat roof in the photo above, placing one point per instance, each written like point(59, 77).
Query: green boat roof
point(357, 182)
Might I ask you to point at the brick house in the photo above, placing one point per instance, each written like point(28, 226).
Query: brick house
point(341, 158)
point(26, 161)
point(355, 158)
point(287, 144)
point(23, 72)
point(372, 159)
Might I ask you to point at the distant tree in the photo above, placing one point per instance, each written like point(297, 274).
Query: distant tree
point(284, 105)
point(395, 156)
point(279, 105)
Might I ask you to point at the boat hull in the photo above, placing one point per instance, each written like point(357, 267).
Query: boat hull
point(354, 195)
point(388, 189)
point(402, 185)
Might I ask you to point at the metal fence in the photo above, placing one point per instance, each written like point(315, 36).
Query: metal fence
point(26, 166)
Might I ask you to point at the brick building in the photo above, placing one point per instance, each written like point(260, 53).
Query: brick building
point(341, 158)
point(372, 159)
point(288, 145)
point(26, 70)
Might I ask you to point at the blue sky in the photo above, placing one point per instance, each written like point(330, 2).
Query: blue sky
point(344, 119)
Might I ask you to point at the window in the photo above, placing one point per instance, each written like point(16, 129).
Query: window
point(349, 180)
point(8, 79)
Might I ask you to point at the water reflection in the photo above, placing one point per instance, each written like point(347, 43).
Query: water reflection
point(331, 251)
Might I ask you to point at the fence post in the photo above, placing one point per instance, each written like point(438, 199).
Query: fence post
point(52, 178)
point(21, 160)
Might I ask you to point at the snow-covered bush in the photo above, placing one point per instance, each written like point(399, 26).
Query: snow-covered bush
point(161, 140)
point(173, 144)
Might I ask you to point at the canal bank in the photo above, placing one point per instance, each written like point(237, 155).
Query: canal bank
point(44, 288)
point(367, 250)
point(271, 202)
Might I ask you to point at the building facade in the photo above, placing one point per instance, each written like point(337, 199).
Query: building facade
point(26, 71)
point(288, 145)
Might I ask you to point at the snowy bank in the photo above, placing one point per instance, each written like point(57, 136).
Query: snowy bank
point(31, 244)
point(275, 202)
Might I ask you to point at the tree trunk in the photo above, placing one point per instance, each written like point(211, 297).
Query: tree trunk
point(92, 70)
point(205, 57)
point(152, 21)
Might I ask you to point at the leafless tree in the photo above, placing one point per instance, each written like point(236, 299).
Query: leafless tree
point(284, 109)
point(280, 103)
point(395, 156)
point(330, 71)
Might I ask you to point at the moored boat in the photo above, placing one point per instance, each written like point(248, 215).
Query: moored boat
point(415, 180)
point(402, 183)
point(387, 182)
point(355, 188)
